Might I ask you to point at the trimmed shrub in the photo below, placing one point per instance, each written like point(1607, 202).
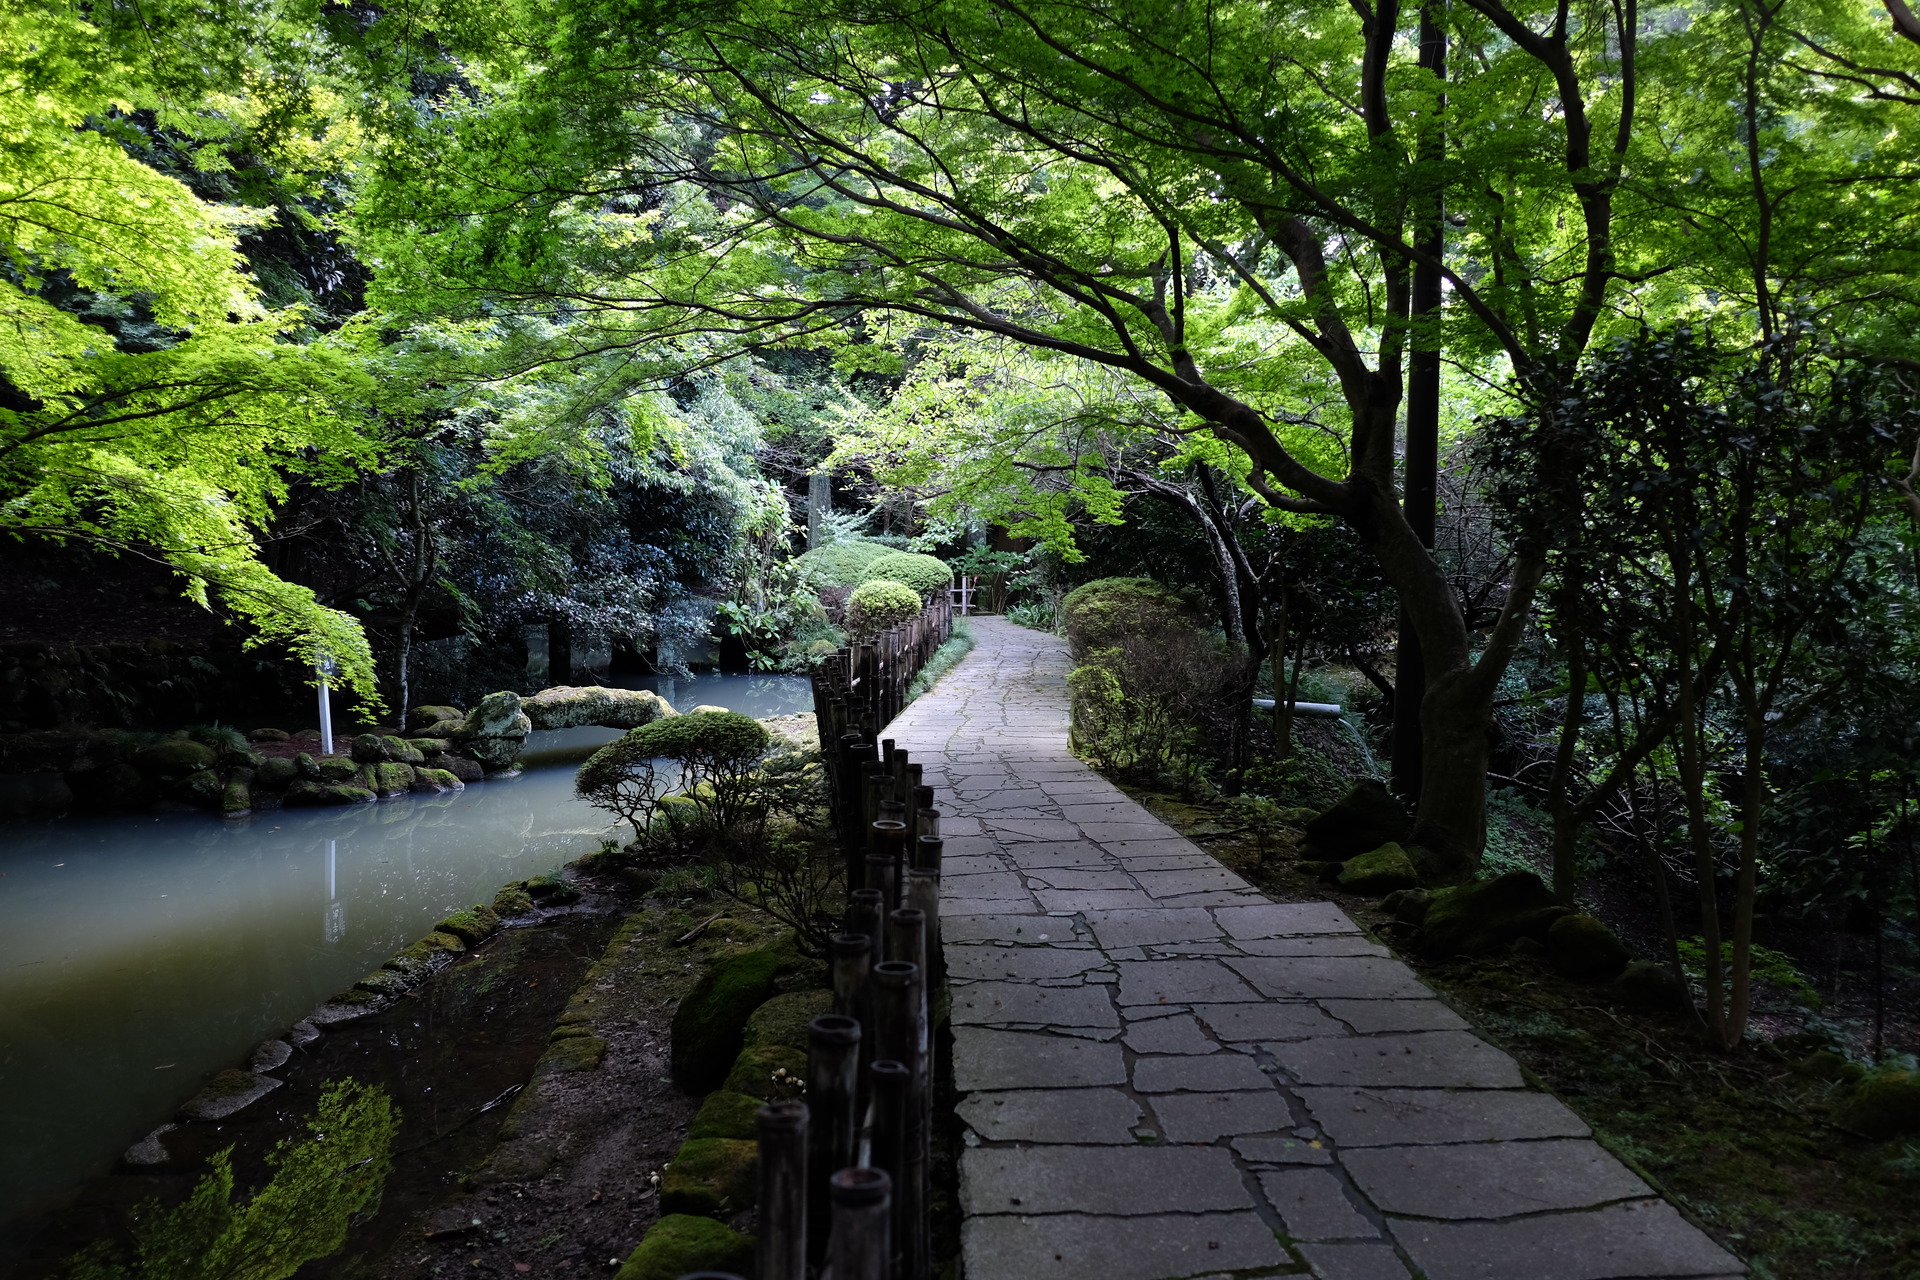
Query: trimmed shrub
point(840, 564)
point(925, 574)
point(715, 752)
point(875, 606)
point(1104, 613)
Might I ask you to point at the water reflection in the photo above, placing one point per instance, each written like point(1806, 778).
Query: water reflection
point(139, 953)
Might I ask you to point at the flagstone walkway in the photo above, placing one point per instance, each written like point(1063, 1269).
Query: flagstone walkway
point(1164, 1074)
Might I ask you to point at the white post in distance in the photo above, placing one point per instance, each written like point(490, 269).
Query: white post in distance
point(326, 667)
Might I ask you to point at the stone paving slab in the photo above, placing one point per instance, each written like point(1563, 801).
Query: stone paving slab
point(1164, 1076)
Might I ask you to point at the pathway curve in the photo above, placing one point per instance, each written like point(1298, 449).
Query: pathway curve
point(1164, 1074)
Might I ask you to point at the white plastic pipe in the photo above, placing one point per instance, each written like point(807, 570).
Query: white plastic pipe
point(1317, 710)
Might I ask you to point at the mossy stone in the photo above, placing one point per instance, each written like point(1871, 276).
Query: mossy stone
point(275, 773)
point(552, 889)
point(1387, 869)
point(237, 797)
point(401, 751)
point(203, 788)
point(680, 1244)
point(336, 769)
point(471, 925)
point(369, 748)
point(175, 758)
point(726, 1114)
point(383, 982)
point(783, 1020)
point(1483, 917)
point(419, 958)
point(710, 1024)
point(1886, 1104)
point(1365, 818)
point(571, 1053)
point(512, 900)
point(711, 1176)
point(327, 793)
point(1652, 986)
point(436, 780)
point(756, 1072)
point(1582, 948)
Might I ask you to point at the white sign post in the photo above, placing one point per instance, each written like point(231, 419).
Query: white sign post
point(326, 668)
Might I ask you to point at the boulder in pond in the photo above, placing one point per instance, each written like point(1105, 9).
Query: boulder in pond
point(226, 1093)
point(464, 768)
point(175, 758)
point(307, 792)
point(276, 772)
point(574, 706)
point(1485, 916)
point(435, 780)
point(512, 900)
point(1365, 818)
point(236, 799)
point(1385, 870)
point(1582, 948)
point(710, 1024)
point(369, 748)
point(495, 732)
point(428, 747)
point(471, 925)
point(203, 789)
point(681, 1244)
point(336, 769)
point(388, 778)
point(421, 716)
point(714, 1177)
point(401, 751)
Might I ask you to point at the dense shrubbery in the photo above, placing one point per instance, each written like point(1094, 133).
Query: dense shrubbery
point(841, 564)
point(711, 754)
point(925, 574)
point(875, 606)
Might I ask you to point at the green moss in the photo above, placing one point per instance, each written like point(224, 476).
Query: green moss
point(1884, 1105)
point(768, 1072)
point(471, 925)
point(552, 889)
point(723, 735)
point(710, 1024)
point(275, 773)
point(1367, 817)
point(1485, 916)
point(783, 1020)
point(571, 1053)
point(1385, 870)
point(840, 564)
point(1582, 948)
point(878, 605)
point(711, 1176)
point(228, 1082)
point(1102, 614)
point(726, 1114)
point(512, 900)
point(680, 1244)
point(383, 982)
point(399, 749)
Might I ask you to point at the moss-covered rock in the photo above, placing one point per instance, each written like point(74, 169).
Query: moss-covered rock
point(571, 1053)
point(369, 748)
point(768, 1072)
point(1828, 1065)
point(783, 1020)
point(495, 731)
point(711, 1176)
point(203, 789)
point(429, 747)
point(1886, 1104)
point(552, 889)
point(400, 751)
point(423, 956)
point(386, 778)
point(306, 792)
point(1385, 870)
point(336, 769)
point(1367, 817)
point(266, 734)
point(1485, 916)
point(1651, 986)
point(465, 768)
point(709, 1026)
point(512, 900)
point(174, 759)
point(383, 982)
point(726, 1114)
point(1408, 906)
point(470, 925)
point(434, 781)
point(680, 1244)
point(419, 717)
point(276, 773)
point(1582, 948)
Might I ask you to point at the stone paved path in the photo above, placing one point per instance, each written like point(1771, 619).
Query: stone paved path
point(1163, 1074)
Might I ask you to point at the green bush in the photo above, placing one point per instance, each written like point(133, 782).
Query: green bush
point(840, 564)
point(714, 752)
point(1104, 613)
point(876, 606)
point(925, 574)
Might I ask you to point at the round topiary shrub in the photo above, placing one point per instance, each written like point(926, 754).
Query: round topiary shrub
point(875, 606)
point(715, 752)
point(840, 564)
point(703, 735)
point(925, 574)
point(1105, 613)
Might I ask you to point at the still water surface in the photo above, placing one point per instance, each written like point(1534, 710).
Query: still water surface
point(139, 953)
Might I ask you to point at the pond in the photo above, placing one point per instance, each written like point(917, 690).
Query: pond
point(138, 953)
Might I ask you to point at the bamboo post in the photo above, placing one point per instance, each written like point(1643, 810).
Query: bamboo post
point(862, 1203)
point(782, 1226)
point(867, 914)
point(833, 1081)
point(852, 961)
point(889, 846)
point(891, 1084)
